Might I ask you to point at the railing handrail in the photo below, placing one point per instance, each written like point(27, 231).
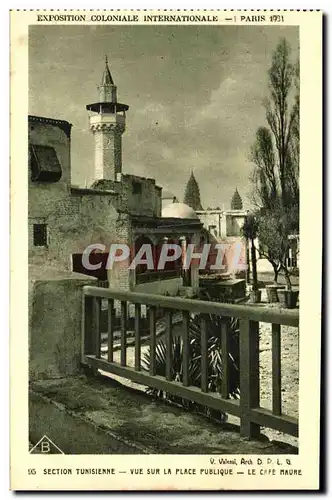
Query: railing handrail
point(253, 313)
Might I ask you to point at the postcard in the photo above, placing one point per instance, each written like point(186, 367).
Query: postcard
point(157, 231)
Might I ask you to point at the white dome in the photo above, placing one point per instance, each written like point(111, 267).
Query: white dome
point(179, 211)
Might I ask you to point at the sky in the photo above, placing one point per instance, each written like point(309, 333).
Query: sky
point(194, 93)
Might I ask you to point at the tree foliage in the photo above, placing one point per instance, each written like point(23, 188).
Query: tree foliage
point(274, 228)
point(192, 196)
point(275, 154)
point(236, 202)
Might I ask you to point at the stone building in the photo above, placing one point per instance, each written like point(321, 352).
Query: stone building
point(218, 226)
point(116, 208)
point(224, 226)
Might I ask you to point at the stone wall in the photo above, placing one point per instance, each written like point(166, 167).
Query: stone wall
point(46, 198)
point(78, 218)
point(222, 223)
point(54, 133)
point(120, 276)
point(72, 224)
point(140, 196)
point(214, 222)
point(73, 221)
point(55, 315)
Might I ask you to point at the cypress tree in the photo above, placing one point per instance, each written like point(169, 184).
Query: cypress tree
point(236, 203)
point(192, 195)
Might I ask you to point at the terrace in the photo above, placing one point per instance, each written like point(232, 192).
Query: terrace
point(247, 407)
point(111, 352)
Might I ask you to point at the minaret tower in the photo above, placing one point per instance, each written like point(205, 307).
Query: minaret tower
point(107, 126)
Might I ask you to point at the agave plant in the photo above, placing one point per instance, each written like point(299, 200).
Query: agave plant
point(160, 364)
point(215, 364)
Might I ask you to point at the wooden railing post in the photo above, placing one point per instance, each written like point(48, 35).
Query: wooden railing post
point(152, 321)
point(137, 337)
point(186, 348)
point(204, 355)
point(123, 355)
point(225, 348)
point(169, 345)
point(96, 322)
point(249, 376)
point(276, 370)
point(88, 339)
point(110, 329)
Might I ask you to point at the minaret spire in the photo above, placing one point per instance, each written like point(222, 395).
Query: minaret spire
point(107, 125)
point(107, 89)
point(107, 79)
point(107, 102)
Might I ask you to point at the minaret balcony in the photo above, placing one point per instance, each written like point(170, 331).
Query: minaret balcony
point(108, 107)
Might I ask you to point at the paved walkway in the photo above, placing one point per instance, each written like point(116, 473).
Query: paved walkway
point(138, 422)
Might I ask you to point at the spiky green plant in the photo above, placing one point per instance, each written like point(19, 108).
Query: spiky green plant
point(215, 364)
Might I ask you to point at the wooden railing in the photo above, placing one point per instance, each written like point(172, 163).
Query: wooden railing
point(102, 284)
point(247, 407)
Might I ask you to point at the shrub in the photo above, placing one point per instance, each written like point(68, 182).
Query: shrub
point(215, 365)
